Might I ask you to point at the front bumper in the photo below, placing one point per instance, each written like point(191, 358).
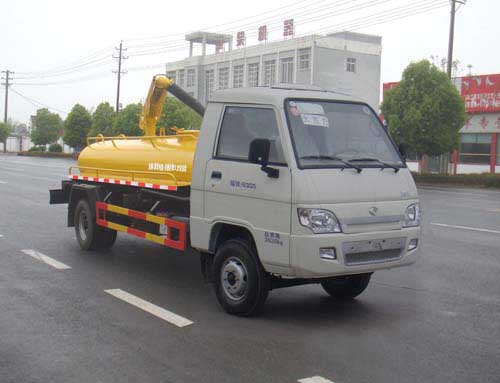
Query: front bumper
point(307, 263)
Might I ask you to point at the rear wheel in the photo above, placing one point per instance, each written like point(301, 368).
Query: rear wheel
point(90, 236)
point(346, 287)
point(241, 283)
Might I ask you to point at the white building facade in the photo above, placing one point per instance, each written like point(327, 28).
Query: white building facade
point(345, 62)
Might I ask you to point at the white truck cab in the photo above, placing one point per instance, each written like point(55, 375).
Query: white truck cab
point(294, 186)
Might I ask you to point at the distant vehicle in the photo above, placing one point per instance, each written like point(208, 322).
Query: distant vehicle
point(280, 187)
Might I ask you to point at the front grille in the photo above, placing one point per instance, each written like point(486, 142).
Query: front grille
point(372, 257)
point(373, 251)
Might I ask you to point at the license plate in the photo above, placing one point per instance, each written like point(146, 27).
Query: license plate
point(373, 245)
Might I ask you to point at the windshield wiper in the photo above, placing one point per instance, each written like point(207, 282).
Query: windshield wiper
point(369, 159)
point(333, 158)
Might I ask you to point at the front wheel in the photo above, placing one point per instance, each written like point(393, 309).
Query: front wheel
point(241, 283)
point(90, 236)
point(346, 287)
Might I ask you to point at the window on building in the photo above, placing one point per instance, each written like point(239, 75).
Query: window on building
point(241, 126)
point(351, 65)
point(287, 70)
point(238, 76)
point(475, 148)
point(269, 72)
point(171, 75)
point(253, 74)
point(191, 77)
point(181, 77)
point(209, 84)
point(304, 59)
point(223, 78)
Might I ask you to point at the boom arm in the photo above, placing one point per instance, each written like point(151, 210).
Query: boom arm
point(153, 106)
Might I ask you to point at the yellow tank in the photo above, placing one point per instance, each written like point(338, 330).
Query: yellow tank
point(164, 160)
point(161, 160)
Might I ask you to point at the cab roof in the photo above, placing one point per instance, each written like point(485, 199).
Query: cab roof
point(276, 95)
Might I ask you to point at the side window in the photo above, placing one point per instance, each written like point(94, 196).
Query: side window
point(241, 126)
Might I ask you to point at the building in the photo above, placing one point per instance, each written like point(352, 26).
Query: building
point(479, 150)
point(345, 62)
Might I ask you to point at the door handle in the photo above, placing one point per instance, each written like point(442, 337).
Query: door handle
point(216, 175)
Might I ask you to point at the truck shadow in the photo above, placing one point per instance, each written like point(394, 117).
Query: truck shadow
point(146, 263)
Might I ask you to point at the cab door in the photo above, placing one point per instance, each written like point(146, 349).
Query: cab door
point(239, 192)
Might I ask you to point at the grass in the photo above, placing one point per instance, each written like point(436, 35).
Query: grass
point(485, 180)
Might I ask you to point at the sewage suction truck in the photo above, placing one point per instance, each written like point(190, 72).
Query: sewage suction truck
point(281, 186)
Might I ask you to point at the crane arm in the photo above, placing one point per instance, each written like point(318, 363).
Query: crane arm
point(153, 106)
point(151, 111)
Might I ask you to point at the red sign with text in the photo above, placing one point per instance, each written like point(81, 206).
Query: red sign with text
point(288, 29)
point(481, 93)
point(263, 33)
point(240, 39)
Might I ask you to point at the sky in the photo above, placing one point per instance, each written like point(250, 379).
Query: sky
point(61, 51)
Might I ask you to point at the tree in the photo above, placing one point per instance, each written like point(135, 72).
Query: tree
point(176, 113)
point(424, 111)
point(102, 120)
point(127, 121)
point(48, 127)
point(77, 127)
point(4, 134)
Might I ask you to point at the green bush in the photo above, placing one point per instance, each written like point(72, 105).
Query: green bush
point(55, 148)
point(37, 149)
point(477, 180)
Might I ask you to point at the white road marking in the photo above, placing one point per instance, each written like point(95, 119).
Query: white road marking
point(466, 228)
point(12, 169)
point(46, 259)
point(157, 311)
point(315, 379)
point(25, 175)
point(31, 163)
point(1, 235)
point(2, 182)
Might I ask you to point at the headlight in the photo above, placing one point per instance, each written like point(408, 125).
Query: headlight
point(319, 221)
point(412, 215)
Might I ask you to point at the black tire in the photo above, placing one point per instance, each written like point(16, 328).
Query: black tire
point(90, 236)
point(346, 287)
point(241, 283)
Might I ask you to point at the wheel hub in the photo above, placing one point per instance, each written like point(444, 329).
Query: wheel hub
point(234, 278)
point(83, 225)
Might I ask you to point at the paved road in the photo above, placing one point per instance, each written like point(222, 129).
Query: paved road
point(438, 321)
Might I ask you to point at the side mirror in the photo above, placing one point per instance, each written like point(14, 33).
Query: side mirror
point(402, 151)
point(258, 153)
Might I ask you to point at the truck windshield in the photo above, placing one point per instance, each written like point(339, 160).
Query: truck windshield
point(335, 134)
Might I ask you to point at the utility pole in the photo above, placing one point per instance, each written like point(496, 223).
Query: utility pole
point(119, 72)
point(452, 34)
point(7, 78)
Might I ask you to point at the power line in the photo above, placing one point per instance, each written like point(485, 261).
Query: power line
point(274, 23)
point(69, 65)
point(99, 62)
point(385, 17)
point(37, 103)
point(353, 24)
point(72, 80)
